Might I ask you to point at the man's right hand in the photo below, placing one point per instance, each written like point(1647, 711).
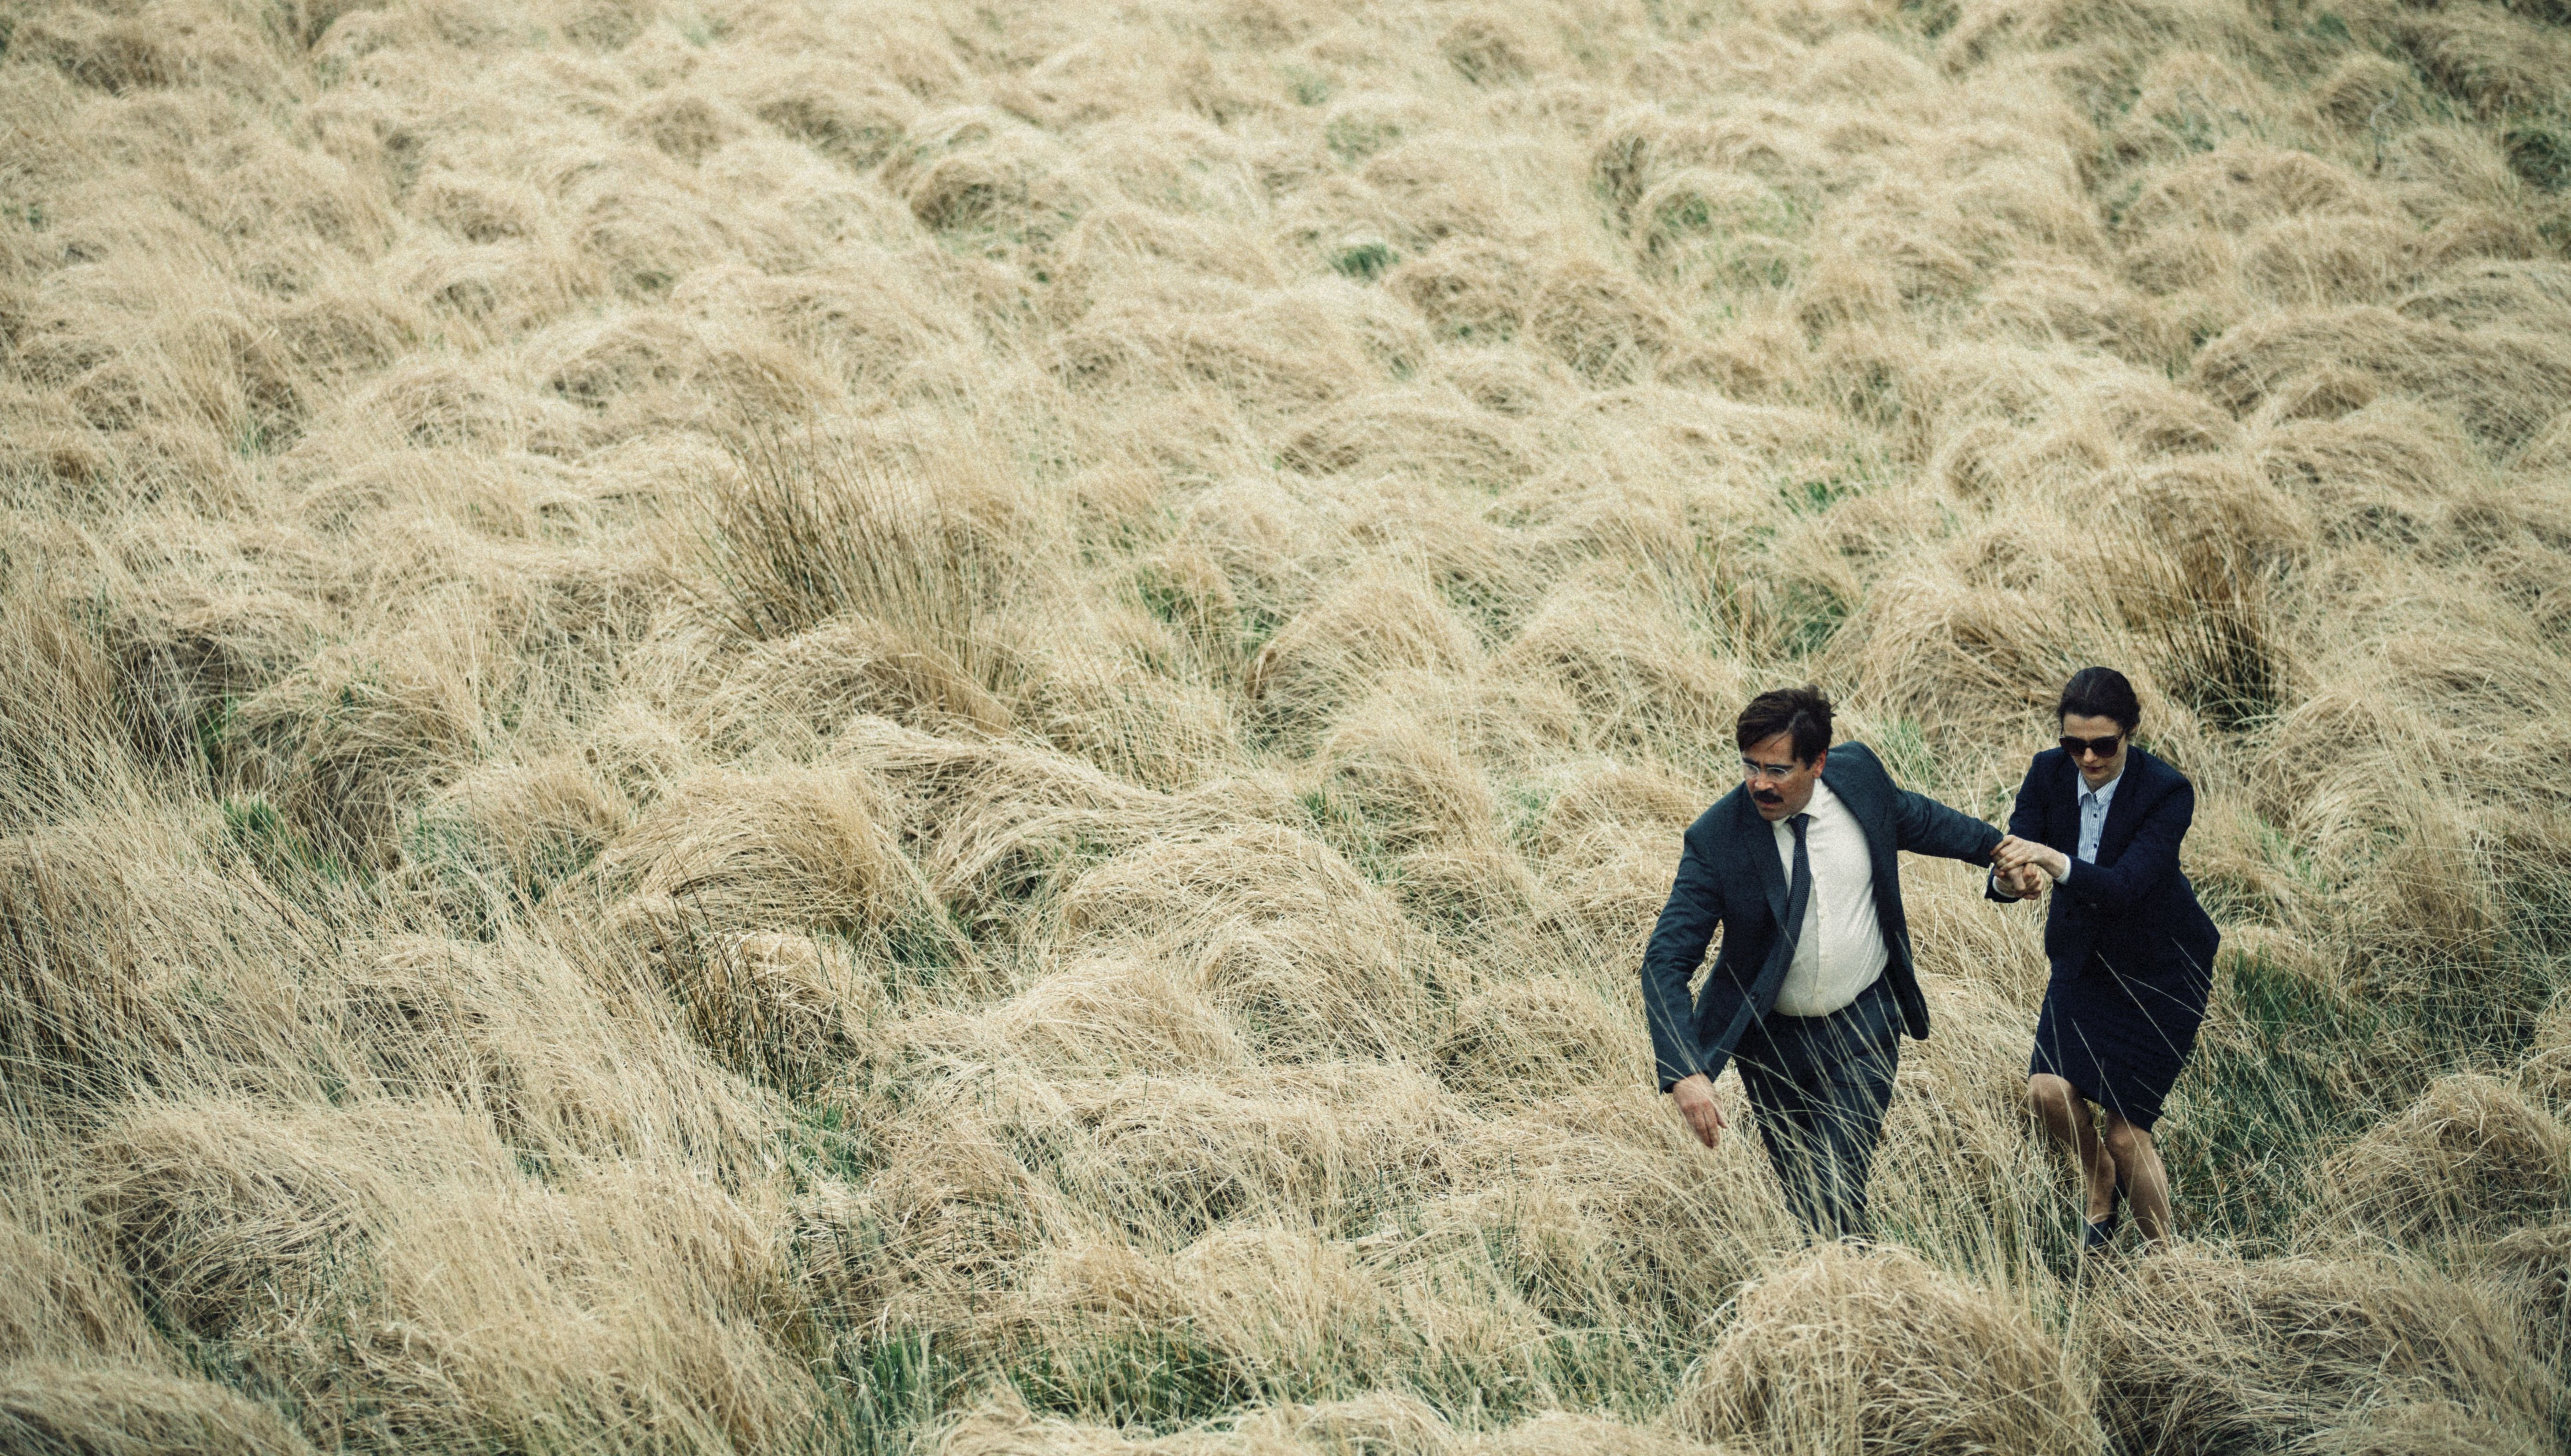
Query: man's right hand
point(1697, 1104)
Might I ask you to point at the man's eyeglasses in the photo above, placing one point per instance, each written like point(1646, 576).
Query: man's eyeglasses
point(2104, 747)
point(1749, 769)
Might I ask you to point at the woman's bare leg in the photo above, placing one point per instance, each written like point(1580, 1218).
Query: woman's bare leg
point(2065, 1115)
point(2138, 1167)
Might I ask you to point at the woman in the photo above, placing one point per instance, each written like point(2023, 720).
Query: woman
point(2099, 822)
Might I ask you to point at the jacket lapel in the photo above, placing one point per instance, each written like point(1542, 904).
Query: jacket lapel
point(2062, 813)
point(1758, 838)
point(2122, 811)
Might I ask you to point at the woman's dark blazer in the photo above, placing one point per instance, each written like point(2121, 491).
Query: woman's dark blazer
point(2132, 906)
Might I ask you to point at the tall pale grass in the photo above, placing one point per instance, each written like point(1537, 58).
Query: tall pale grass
point(738, 725)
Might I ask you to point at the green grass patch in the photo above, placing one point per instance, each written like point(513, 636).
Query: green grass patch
point(2540, 156)
point(1364, 260)
point(1158, 1378)
point(878, 1395)
point(282, 854)
point(1306, 86)
point(2265, 1095)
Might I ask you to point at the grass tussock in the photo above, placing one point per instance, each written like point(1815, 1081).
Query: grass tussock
point(2272, 1353)
point(80, 1410)
point(1853, 1349)
point(735, 726)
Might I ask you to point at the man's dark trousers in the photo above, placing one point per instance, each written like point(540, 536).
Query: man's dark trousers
point(1821, 1085)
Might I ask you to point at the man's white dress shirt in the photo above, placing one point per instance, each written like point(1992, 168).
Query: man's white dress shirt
point(1840, 951)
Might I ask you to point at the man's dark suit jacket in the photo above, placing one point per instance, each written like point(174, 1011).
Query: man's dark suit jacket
point(2132, 903)
point(1730, 876)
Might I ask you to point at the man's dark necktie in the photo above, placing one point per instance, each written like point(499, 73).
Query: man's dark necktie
point(1763, 994)
point(1799, 890)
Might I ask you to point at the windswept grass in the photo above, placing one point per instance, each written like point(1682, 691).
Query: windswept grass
point(745, 725)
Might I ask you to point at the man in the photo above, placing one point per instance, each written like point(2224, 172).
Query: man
point(1815, 982)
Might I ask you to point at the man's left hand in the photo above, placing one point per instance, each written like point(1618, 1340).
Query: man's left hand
point(2013, 853)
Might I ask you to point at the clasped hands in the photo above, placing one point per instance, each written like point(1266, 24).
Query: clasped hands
point(2023, 867)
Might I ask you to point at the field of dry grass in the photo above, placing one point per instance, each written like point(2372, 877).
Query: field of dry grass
point(936, 727)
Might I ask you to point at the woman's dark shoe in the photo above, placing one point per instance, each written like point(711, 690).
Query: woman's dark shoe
point(2101, 1233)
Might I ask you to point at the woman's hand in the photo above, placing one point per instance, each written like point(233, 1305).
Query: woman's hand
point(2014, 854)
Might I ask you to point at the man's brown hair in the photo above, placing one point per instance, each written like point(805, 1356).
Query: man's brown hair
point(1801, 713)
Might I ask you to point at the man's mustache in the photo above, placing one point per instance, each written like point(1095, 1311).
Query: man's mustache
point(1766, 796)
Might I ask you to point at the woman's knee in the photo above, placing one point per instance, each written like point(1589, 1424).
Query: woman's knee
point(2049, 1095)
point(2125, 1141)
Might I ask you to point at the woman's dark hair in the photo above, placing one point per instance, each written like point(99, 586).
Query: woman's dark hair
point(2100, 692)
point(1801, 713)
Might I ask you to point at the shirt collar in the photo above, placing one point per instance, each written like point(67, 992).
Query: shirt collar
point(2106, 793)
point(1821, 798)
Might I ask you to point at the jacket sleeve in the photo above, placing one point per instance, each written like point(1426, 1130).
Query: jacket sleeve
point(1924, 826)
point(2026, 822)
point(1677, 947)
point(2149, 861)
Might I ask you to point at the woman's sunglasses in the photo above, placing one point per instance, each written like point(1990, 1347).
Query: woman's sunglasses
point(2104, 747)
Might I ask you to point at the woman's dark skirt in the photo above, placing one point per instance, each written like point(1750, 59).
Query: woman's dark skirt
point(2121, 1037)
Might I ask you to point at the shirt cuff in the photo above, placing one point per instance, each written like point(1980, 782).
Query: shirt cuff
point(1999, 893)
point(2062, 874)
